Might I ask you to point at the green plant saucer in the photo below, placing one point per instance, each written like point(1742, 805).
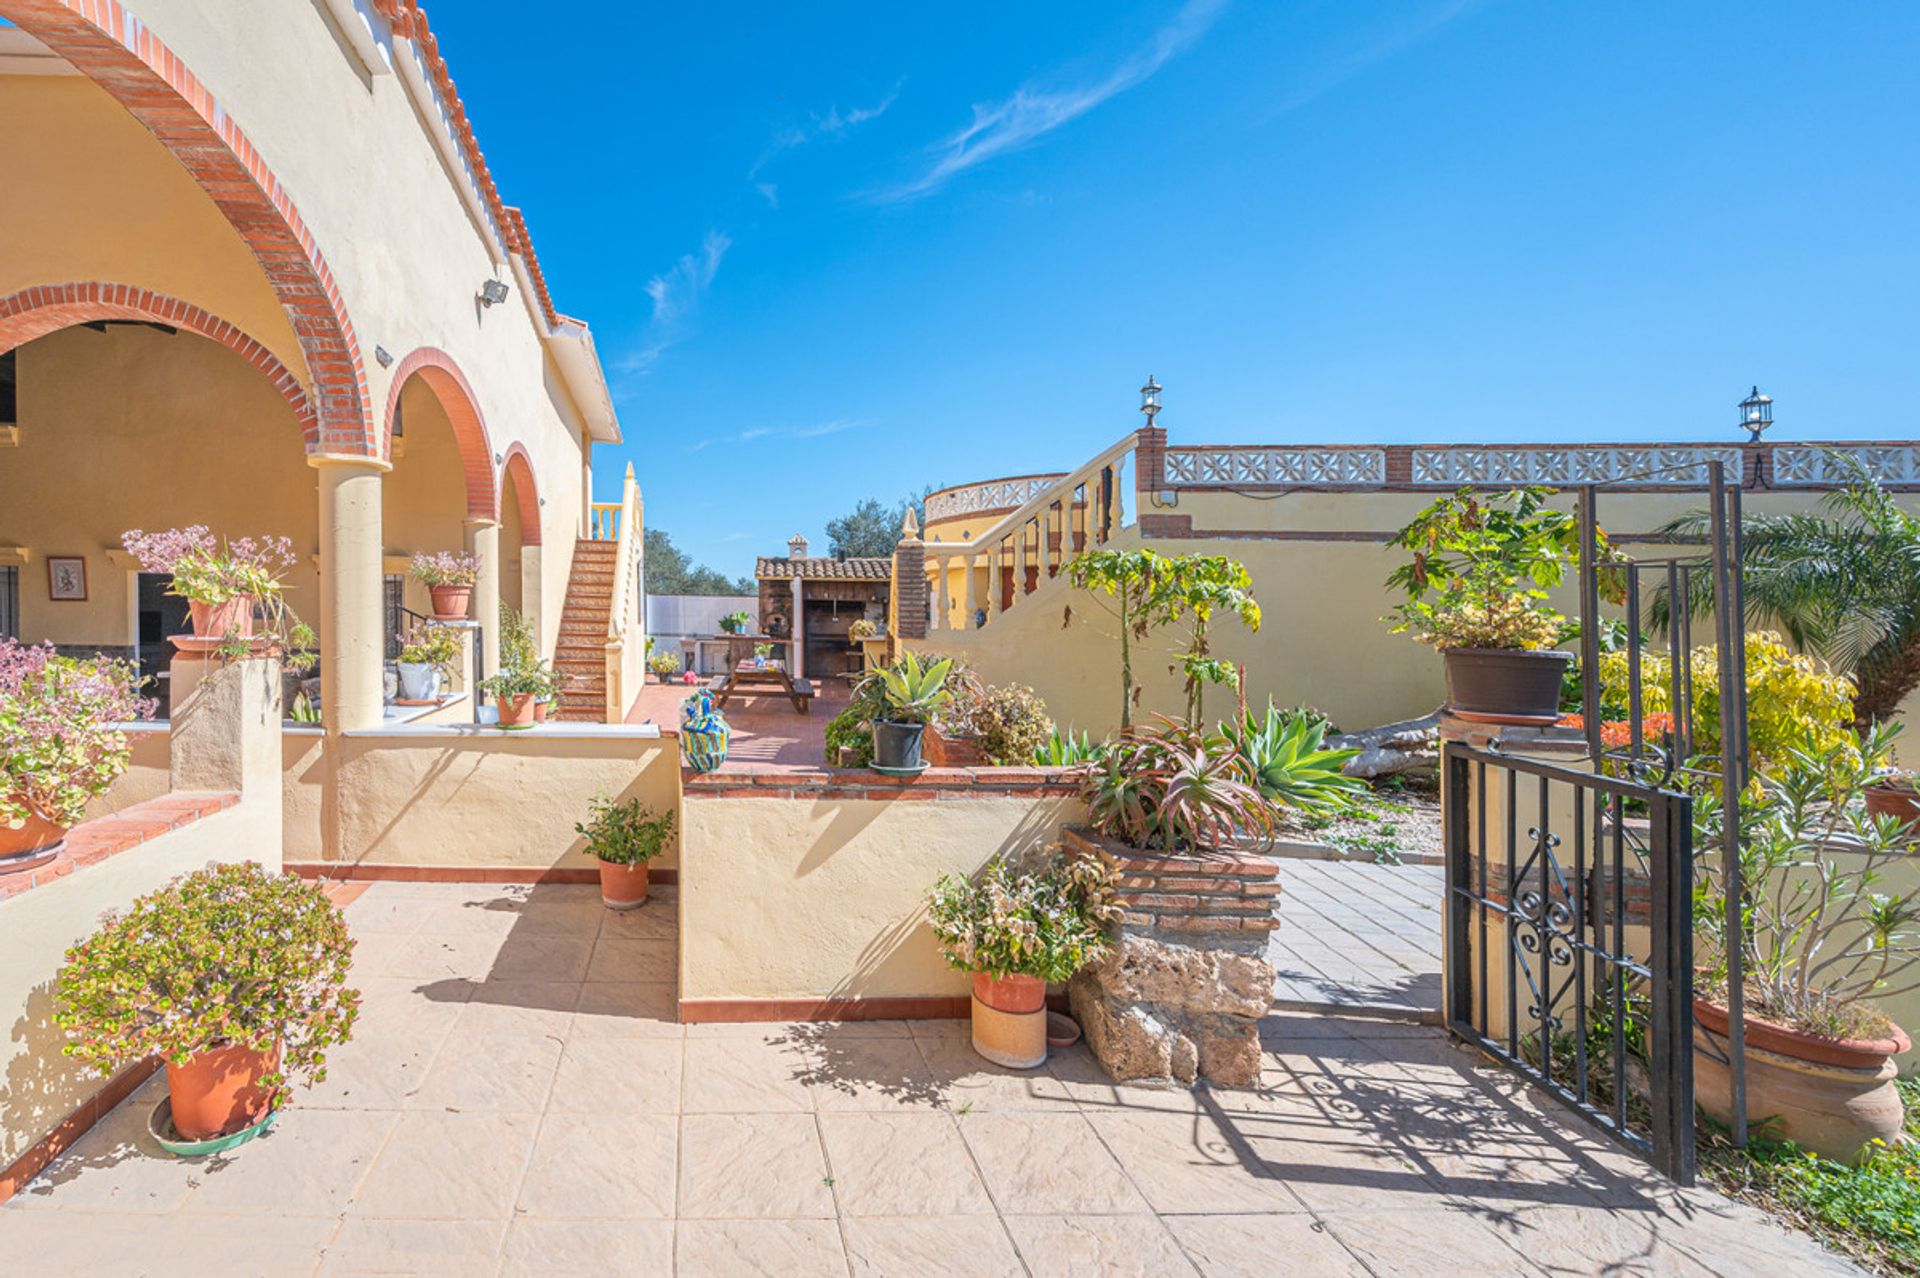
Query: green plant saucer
point(516, 727)
point(901, 772)
point(160, 1124)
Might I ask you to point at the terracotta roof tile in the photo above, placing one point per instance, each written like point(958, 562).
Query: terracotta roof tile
point(808, 569)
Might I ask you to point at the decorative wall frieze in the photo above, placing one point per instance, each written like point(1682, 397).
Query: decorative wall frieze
point(1817, 466)
point(1655, 466)
point(1302, 466)
point(993, 495)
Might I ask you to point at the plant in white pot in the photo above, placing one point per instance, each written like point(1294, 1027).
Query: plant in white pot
point(425, 661)
point(234, 977)
point(1477, 590)
point(1831, 904)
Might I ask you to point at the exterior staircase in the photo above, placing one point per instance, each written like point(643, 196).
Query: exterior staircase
point(580, 653)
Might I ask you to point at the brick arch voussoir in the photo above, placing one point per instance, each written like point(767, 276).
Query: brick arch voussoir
point(526, 491)
point(117, 51)
point(47, 308)
point(436, 369)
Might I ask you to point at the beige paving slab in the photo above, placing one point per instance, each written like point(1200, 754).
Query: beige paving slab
point(496, 1073)
point(733, 1248)
point(434, 956)
point(931, 1247)
point(1443, 1242)
point(1264, 1246)
point(1584, 1240)
point(449, 1166)
point(309, 1162)
point(392, 1004)
point(520, 1007)
point(603, 1165)
point(752, 1167)
point(280, 1246)
point(883, 1074)
point(902, 1165)
point(1185, 1163)
point(1099, 1247)
point(618, 959)
point(657, 920)
point(117, 1166)
point(613, 1075)
point(587, 1248)
point(426, 1248)
point(524, 956)
point(970, 1082)
point(1048, 1163)
point(381, 1070)
point(745, 1076)
point(627, 1009)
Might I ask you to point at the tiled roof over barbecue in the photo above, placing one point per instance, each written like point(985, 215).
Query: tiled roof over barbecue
point(811, 569)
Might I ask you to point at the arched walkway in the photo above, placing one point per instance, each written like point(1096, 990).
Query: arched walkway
point(436, 369)
point(526, 493)
point(115, 50)
point(35, 312)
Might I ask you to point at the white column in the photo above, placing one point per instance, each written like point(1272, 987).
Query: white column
point(1020, 561)
point(797, 656)
point(483, 542)
point(993, 582)
point(942, 618)
point(973, 595)
point(352, 613)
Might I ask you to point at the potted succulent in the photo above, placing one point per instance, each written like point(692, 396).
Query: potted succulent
point(425, 661)
point(1896, 793)
point(221, 582)
point(449, 579)
point(235, 977)
point(762, 654)
point(1016, 929)
point(1164, 786)
point(623, 837)
point(912, 694)
point(59, 744)
point(665, 665)
point(1477, 590)
point(735, 623)
point(1827, 928)
point(862, 628)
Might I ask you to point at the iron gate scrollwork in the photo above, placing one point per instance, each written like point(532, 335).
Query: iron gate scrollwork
point(1569, 942)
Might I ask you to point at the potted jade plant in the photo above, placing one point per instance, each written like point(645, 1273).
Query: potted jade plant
point(235, 977)
point(912, 695)
point(1477, 590)
point(623, 837)
point(1016, 928)
point(1828, 929)
point(449, 579)
point(425, 660)
point(735, 623)
point(665, 665)
point(60, 745)
point(222, 582)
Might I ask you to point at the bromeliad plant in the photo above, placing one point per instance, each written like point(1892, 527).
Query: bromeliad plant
point(1173, 788)
point(59, 746)
point(226, 956)
point(626, 833)
point(1290, 764)
point(1047, 921)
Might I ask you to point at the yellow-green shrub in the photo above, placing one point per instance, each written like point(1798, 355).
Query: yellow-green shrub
point(1791, 698)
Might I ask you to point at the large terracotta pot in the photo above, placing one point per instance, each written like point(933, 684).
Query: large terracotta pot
point(623, 887)
point(1902, 802)
point(517, 712)
point(219, 1091)
point(1833, 1096)
point(234, 618)
point(1505, 685)
point(450, 602)
point(33, 844)
point(1010, 1020)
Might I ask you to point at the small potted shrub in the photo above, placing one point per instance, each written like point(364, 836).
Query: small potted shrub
point(221, 582)
point(59, 746)
point(235, 977)
point(517, 693)
point(425, 662)
point(449, 579)
point(623, 837)
point(1477, 590)
point(735, 623)
point(912, 694)
point(1827, 929)
point(862, 629)
point(665, 665)
point(762, 655)
point(1017, 930)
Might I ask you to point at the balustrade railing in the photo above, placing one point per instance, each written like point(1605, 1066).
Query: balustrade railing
point(604, 520)
point(624, 521)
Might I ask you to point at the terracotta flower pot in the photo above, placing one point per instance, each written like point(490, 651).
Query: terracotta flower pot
point(450, 602)
point(623, 887)
point(234, 618)
point(517, 712)
point(219, 1091)
point(1900, 801)
point(1010, 1020)
point(540, 711)
point(1833, 1096)
point(1010, 993)
point(33, 844)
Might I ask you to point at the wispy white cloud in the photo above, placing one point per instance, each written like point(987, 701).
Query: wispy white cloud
point(1394, 40)
point(1031, 113)
point(755, 433)
point(831, 125)
point(770, 192)
point(676, 295)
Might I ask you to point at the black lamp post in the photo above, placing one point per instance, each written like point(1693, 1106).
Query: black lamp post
point(1150, 398)
point(1756, 414)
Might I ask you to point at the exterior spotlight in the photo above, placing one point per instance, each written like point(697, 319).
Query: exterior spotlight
point(1756, 414)
point(380, 353)
point(492, 293)
point(1150, 399)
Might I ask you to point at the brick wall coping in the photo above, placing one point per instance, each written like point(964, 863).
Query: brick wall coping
point(94, 841)
point(768, 781)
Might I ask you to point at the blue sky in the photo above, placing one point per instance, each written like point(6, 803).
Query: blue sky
point(838, 250)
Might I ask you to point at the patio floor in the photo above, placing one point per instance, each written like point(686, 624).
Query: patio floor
point(1359, 937)
point(519, 1099)
point(766, 729)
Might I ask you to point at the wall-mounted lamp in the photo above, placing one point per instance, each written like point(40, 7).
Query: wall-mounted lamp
point(380, 353)
point(492, 293)
point(1756, 414)
point(1150, 399)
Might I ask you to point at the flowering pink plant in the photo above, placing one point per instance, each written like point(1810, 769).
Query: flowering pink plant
point(58, 743)
point(208, 572)
point(445, 568)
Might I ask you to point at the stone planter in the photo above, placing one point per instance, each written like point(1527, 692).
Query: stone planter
point(959, 751)
point(1833, 1096)
point(1503, 685)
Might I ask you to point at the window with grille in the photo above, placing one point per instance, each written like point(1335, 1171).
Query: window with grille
point(9, 603)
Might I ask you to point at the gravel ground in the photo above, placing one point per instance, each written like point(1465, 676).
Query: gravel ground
point(1391, 824)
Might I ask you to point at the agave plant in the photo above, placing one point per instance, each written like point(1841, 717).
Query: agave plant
point(1290, 764)
point(915, 693)
point(1068, 749)
point(1176, 789)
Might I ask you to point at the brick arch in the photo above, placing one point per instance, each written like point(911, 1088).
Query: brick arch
point(115, 50)
point(519, 464)
point(47, 308)
point(443, 377)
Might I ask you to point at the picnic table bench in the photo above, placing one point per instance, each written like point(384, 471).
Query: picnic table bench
point(747, 678)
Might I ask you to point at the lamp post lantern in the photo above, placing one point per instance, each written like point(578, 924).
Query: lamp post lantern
point(1150, 399)
point(1756, 414)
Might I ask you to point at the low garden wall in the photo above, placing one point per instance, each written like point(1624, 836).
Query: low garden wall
point(803, 893)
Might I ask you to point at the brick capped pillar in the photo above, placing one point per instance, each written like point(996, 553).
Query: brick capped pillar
point(1150, 462)
point(909, 618)
point(1180, 995)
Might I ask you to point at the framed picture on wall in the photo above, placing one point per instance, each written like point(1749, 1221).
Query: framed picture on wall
point(67, 578)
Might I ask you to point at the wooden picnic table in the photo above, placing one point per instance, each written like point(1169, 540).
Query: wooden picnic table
point(748, 678)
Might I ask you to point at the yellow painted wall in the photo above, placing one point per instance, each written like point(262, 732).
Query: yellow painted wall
point(826, 898)
point(146, 776)
point(423, 499)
